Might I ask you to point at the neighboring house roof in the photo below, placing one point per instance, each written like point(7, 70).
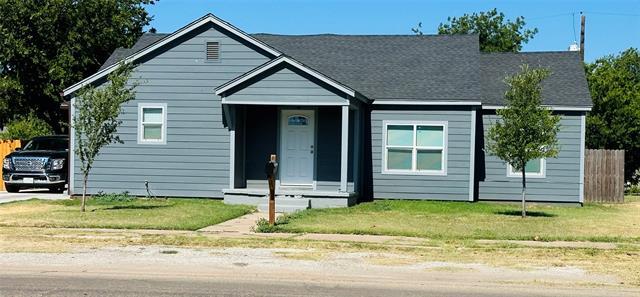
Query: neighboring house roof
point(407, 68)
point(566, 86)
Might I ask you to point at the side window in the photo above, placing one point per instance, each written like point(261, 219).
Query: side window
point(533, 168)
point(152, 123)
point(415, 148)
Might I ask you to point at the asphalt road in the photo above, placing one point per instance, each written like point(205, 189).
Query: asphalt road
point(151, 271)
point(28, 285)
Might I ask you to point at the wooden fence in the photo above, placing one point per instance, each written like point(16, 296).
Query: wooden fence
point(604, 176)
point(6, 147)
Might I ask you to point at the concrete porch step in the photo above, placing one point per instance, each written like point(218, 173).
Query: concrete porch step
point(281, 208)
point(286, 204)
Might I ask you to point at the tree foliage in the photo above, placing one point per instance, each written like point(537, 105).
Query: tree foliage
point(46, 46)
point(614, 121)
point(25, 128)
point(496, 33)
point(526, 130)
point(96, 122)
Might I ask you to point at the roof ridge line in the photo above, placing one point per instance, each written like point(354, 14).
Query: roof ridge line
point(530, 53)
point(368, 35)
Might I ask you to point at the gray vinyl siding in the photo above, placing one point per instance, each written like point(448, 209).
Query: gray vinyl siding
point(562, 180)
point(285, 85)
point(454, 185)
point(195, 160)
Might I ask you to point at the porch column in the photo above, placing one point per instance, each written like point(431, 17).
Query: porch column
point(344, 152)
point(231, 123)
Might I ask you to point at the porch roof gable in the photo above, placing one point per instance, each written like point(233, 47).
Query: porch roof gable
point(280, 60)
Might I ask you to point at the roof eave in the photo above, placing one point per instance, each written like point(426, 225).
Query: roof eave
point(550, 106)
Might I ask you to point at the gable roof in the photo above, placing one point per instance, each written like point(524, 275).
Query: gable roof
point(398, 67)
point(566, 86)
point(278, 61)
point(147, 48)
point(408, 69)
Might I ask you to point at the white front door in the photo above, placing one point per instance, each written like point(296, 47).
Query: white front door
point(297, 147)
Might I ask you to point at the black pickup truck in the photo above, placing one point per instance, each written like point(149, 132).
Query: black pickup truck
point(42, 163)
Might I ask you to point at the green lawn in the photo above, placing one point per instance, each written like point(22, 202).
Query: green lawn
point(462, 220)
point(170, 214)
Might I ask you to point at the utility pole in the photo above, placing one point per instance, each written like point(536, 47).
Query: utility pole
point(582, 19)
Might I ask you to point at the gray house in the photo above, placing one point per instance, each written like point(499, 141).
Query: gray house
point(350, 117)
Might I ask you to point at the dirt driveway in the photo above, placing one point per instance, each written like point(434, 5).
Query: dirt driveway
point(28, 194)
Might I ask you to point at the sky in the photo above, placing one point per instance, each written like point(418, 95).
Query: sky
point(611, 25)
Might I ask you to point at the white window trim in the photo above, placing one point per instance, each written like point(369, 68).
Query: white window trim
point(541, 174)
point(445, 148)
point(163, 133)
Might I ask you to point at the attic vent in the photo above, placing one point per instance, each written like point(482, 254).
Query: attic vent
point(213, 51)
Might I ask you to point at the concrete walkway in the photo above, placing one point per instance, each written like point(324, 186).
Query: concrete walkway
point(29, 194)
point(243, 227)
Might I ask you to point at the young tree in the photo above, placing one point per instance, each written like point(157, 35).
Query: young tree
point(614, 121)
point(46, 46)
point(496, 33)
point(526, 130)
point(96, 122)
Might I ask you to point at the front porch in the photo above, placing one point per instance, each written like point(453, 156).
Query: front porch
point(313, 125)
point(318, 151)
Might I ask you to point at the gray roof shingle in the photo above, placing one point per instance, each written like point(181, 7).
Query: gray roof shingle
point(120, 53)
point(566, 86)
point(402, 67)
point(428, 67)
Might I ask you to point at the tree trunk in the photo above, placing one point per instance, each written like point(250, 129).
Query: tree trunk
point(84, 193)
point(524, 200)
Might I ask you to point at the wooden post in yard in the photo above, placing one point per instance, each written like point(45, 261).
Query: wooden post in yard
point(271, 169)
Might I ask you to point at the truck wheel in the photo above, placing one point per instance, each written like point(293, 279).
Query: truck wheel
point(56, 190)
point(12, 188)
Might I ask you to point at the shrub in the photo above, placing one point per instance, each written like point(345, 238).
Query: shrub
point(263, 226)
point(24, 128)
point(632, 189)
point(113, 197)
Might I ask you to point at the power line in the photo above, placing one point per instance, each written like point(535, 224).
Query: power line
point(613, 13)
point(549, 16)
point(573, 22)
point(585, 12)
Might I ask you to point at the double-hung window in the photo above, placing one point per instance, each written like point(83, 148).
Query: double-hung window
point(152, 123)
point(415, 148)
point(535, 168)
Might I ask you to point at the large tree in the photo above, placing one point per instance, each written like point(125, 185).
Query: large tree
point(496, 33)
point(526, 131)
point(46, 46)
point(614, 121)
